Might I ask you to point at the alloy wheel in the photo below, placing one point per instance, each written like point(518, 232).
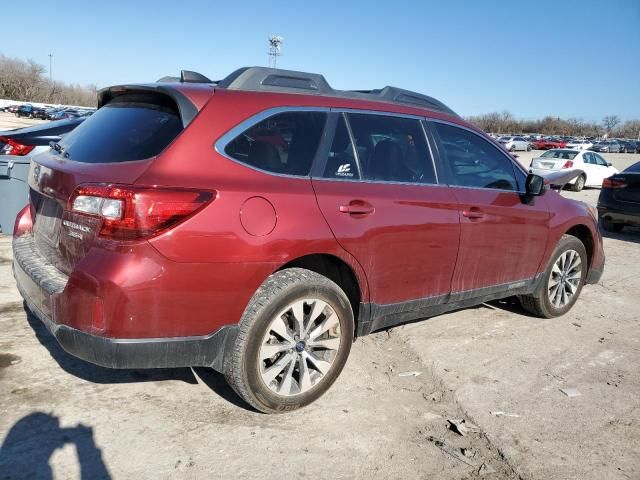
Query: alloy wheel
point(565, 278)
point(299, 347)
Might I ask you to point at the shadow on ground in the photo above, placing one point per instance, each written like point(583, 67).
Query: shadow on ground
point(628, 234)
point(97, 374)
point(32, 440)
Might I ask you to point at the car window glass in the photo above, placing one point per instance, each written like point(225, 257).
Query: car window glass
point(341, 162)
point(473, 161)
point(391, 149)
point(633, 168)
point(285, 143)
point(599, 160)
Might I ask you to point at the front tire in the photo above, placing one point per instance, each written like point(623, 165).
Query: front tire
point(294, 339)
point(562, 281)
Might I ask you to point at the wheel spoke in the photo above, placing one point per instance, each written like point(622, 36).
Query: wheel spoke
point(321, 365)
point(328, 323)
point(572, 288)
point(556, 269)
point(298, 316)
point(305, 377)
point(287, 380)
point(327, 343)
point(272, 372)
point(553, 281)
point(268, 350)
point(318, 308)
point(280, 327)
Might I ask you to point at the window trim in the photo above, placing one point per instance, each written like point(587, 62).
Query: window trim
point(514, 163)
point(226, 138)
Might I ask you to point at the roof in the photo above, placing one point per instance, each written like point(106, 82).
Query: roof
point(263, 79)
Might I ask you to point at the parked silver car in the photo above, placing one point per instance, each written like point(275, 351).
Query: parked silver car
point(515, 143)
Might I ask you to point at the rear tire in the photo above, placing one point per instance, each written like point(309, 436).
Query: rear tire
point(283, 318)
point(579, 185)
point(609, 226)
point(562, 281)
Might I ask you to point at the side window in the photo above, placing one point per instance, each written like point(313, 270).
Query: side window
point(284, 143)
point(391, 149)
point(341, 162)
point(599, 160)
point(473, 161)
point(588, 158)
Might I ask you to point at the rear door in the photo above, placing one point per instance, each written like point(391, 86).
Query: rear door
point(503, 237)
point(378, 190)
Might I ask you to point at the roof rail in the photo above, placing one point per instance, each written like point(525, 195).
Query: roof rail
point(290, 81)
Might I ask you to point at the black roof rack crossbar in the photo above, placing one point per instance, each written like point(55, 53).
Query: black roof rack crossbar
point(290, 81)
point(186, 76)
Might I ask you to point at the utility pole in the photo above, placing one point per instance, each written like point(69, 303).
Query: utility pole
point(275, 42)
point(51, 68)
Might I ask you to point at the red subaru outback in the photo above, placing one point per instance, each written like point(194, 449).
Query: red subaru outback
point(258, 224)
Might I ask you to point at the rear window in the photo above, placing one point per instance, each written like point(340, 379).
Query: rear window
point(562, 154)
point(130, 127)
point(635, 168)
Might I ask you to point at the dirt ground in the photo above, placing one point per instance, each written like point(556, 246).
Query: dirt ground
point(492, 366)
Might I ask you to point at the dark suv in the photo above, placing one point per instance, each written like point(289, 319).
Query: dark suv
point(258, 224)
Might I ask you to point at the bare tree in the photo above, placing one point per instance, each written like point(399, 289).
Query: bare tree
point(26, 81)
point(610, 122)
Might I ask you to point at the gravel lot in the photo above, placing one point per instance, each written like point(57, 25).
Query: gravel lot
point(65, 417)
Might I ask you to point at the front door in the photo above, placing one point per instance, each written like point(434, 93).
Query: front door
point(379, 194)
point(502, 237)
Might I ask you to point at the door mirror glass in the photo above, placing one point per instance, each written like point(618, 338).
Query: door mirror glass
point(534, 185)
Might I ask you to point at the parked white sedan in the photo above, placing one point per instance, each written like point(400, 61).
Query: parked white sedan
point(580, 144)
point(515, 143)
point(595, 168)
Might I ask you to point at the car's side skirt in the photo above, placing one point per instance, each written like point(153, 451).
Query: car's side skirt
point(373, 317)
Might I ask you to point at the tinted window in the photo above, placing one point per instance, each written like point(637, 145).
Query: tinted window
point(130, 127)
point(635, 168)
point(284, 143)
point(473, 161)
point(341, 162)
point(391, 149)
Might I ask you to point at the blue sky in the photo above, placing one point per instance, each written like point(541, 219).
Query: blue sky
point(563, 57)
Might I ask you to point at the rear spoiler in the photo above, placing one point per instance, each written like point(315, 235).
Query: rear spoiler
point(557, 180)
point(187, 109)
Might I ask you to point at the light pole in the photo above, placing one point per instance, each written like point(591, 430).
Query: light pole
point(275, 42)
point(51, 68)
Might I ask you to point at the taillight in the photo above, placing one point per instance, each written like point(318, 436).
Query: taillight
point(130, 213)
point(568, 164)
point(14, 148)
point(613, 183)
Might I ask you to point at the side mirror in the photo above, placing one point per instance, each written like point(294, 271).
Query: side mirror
point(534, 185)
point(609, 164)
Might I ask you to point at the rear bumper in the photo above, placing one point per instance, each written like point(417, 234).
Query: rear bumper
point(617, 216)
point(66, 307)
point(205, 351)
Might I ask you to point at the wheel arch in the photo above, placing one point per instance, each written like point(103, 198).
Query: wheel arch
point(337, 270)
point(583, 233)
